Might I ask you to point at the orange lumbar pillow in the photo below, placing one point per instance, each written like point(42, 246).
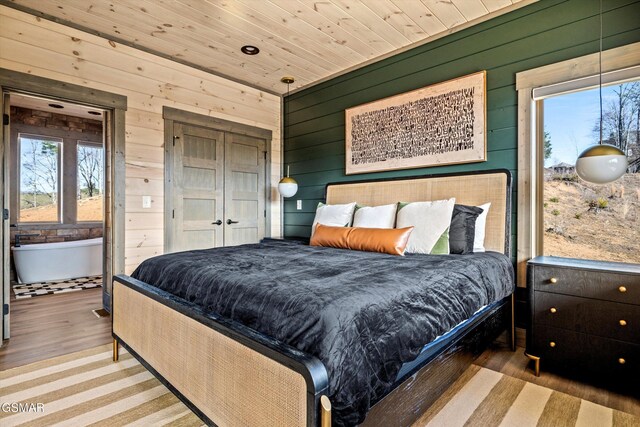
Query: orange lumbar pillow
point(386, 240)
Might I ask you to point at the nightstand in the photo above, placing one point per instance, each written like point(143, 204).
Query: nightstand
point(584, 317)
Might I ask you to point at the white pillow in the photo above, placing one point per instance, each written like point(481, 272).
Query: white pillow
point(431, 221)
point(375, 216)
point(481, 225)
point(334, 215)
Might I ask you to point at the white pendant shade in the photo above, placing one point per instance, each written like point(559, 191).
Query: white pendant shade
point(601, 164)
point(287, 187)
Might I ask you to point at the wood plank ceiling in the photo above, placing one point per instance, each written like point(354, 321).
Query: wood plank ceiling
point(309, 40)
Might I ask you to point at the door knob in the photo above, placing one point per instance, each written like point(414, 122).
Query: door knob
point(218, 222)
point(230, 221)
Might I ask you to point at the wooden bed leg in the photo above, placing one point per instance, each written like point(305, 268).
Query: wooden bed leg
point(116, 350)
point(325, 411)
point(513, 322)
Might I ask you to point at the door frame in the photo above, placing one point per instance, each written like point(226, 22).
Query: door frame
point(115, 106)
point(171, 115)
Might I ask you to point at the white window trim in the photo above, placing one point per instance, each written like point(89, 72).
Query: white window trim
point(569, 75)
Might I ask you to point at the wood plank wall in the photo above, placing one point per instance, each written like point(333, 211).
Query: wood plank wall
point(542, 33)
point(33, 45)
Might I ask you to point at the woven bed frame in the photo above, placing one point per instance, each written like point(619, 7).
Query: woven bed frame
point(231, 375)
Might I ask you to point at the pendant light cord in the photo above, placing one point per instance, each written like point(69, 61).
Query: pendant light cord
point(287, 107)
point(600, 62)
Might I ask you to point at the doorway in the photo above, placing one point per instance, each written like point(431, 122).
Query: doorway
point(215, 182)
point(56, 196)
point(56, 211)
point(62, 191)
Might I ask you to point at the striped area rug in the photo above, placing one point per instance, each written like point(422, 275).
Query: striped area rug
point(87, 388)
point(482, 397)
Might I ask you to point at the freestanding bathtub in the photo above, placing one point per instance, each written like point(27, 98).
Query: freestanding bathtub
point(45, 262)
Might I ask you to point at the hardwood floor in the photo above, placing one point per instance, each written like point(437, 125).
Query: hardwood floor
point(51, 325)
point(500, 358)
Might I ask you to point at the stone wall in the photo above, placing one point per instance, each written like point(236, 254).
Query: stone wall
point(45, 119)
point(51, 234)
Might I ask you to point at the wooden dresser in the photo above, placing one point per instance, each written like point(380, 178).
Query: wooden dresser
point(585, 318)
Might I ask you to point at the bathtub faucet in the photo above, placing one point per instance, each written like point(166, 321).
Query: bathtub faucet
point(20, 236)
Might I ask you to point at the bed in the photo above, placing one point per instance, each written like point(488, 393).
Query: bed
point(289, 329)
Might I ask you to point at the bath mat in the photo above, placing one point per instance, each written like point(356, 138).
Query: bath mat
point(56, 287)
point(87, 388)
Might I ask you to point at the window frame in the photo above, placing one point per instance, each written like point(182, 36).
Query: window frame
point(60, 184)
point(68, 212)
point(568, 76)
point(625, 75)
point(82, 142)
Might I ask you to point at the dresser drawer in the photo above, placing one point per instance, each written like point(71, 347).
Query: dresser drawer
point(602, 285)
point(604, 318)
point(586, 354)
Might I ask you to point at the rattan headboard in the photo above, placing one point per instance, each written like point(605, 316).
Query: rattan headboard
point(474, 188)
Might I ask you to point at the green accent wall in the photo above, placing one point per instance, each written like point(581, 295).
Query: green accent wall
point(542, 33)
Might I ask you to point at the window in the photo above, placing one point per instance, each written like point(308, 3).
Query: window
point(535, 87)
point(90, 181)
point(580, 219)
point(39, 193)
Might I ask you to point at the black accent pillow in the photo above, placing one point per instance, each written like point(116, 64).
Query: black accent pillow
point(463, 229)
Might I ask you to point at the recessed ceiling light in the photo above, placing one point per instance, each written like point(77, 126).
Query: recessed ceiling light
point(250, 50)
point(56, 106)
point(94, 113)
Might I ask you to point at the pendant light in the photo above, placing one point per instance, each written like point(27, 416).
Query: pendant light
point(287, 187)
point(601, 163)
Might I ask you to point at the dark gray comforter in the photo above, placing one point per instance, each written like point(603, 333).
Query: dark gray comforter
point(362, 314)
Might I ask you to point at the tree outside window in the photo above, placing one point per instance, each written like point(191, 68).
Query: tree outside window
point(580, 219)
point(621, 117)
point(90, 182)
point(39, 179)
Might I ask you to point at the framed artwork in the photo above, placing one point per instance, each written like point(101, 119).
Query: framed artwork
point(441, 124)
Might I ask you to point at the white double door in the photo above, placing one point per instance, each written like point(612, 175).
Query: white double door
point(218, 188)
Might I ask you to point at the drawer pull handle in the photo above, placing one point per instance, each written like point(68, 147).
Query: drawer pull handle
point(623, 322)
point(553, 310)
point(552, 344)
point(621, 361)
point(553, 280)
point(622, 289)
